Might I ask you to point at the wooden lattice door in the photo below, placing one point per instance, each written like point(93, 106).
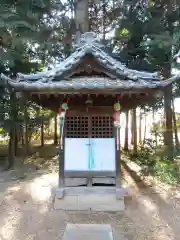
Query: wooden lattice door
point(89, 126)
point(77, 126)
point(102, 126)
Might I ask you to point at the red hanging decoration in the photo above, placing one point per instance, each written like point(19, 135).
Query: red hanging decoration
point(67, 99)
point(59, 110)
point(116, 116)
point(118, 98)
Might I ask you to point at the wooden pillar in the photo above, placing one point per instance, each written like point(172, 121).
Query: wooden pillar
point(126, 140)
point(117, 159)
point(61, 163)
point(61, 168)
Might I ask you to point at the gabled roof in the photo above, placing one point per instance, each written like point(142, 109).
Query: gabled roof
point(90, 45)
point(55, 79)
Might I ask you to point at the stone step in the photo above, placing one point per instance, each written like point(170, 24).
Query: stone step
point(79, 191)
point(89, 232)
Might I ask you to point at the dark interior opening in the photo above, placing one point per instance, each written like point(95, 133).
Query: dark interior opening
point(96, 185)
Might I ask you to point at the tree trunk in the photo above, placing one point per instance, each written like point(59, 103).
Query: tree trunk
point(126, 140)
point(175, 126)
point(26, 128)
point(168, 135)
point(154, 128)
point(42, 133)
point(16, 142)
point(82, 16)
point(134, 130)
point(145, 122)
point(55, 130)
point(103, 21)
point(140, 128)
point(22, 137)
point(11, 148)
point(12, 132)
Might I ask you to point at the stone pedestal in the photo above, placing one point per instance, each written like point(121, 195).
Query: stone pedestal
point(90, 199)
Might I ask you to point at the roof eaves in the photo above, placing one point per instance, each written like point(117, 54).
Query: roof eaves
point(86, 83)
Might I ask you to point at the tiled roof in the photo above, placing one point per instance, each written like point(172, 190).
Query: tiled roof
point(124, 78)
point(89, 44)
point(85, 83)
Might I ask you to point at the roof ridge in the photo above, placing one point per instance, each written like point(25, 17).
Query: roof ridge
point(90, 44)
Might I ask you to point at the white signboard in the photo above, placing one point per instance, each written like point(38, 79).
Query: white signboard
point(89, 154)
point(76, 154)
point(103, 154)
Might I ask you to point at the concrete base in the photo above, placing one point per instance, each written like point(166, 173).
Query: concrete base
point(88, 232)
point(91, 232)
point(90, 199)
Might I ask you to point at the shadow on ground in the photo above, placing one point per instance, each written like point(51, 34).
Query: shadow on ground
point(159, 206)
point(27, 212)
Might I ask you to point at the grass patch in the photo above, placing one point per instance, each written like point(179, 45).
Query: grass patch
point(157, 163)
point(167, 172)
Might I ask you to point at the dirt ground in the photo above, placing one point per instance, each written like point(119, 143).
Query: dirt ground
point(26, 209)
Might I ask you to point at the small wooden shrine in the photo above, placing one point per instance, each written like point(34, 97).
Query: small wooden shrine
point(89, 89)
